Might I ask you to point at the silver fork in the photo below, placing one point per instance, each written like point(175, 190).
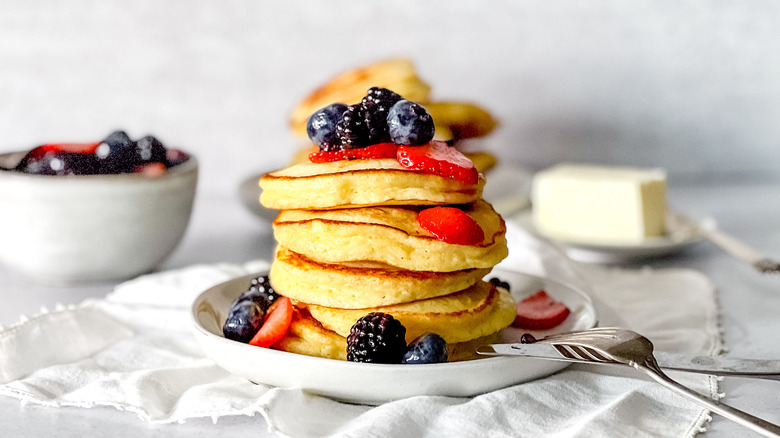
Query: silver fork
point(625, 347)
point(685, 226)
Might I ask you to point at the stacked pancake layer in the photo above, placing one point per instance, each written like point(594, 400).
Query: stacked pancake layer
point(350, 244)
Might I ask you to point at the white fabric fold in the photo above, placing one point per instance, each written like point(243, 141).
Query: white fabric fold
point(134, 351)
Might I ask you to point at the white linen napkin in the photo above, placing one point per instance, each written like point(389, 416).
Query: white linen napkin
point(134, 351)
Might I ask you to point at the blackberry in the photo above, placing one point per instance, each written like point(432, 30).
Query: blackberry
point(150, 150)
point(260, 292)
point(495, 281)
point(378, 338)
point(115, 154)
point(321, 126)
point(376, 105)
point(352, 129)
point(41, 161)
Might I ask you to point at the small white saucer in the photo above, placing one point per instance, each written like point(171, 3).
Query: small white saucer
point(679, 237)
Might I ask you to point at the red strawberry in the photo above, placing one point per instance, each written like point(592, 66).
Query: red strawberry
point(277, 321)
point(440, 159)
point(451, 225)
point(75, 148)
point(152, 170)
point(381, 150)
point(540, 312)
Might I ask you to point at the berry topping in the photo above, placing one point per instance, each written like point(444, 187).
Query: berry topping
point(339, 126)
point(497, 282)
point(527, 338)
point(176, 157)
point(451, 225)
point(60, 159)
point(277, 321)
point(428, 348)
point(378, 338)
point(149, 150)
point(115, 154)
point(243, 320)
point(260, 292)
point(408, 123)
point(321, 126)
point(540, 312)
point(352, 130)
point(381, 150)
point(440, 159)
point(376, 106)
point(152, 170)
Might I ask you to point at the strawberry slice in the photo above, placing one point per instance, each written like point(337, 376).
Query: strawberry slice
point(152, 170)
point(277, 321)
point(75, 148)
point(381, 150)
point(438, 158)
point(540, 312)
point(451, 225)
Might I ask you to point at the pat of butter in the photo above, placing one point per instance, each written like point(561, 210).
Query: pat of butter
point(599, 204)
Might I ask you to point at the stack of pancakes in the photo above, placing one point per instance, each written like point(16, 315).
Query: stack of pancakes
point(349, 243)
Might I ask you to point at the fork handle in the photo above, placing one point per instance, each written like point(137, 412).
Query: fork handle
point(753, 423)
point(733, 246)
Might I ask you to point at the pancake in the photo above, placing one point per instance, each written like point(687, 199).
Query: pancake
point(354, 183)
point(477, 311)
point(307, 336)
point(388, 235)
point(361, 285)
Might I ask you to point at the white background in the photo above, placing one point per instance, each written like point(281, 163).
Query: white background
point(691, 86)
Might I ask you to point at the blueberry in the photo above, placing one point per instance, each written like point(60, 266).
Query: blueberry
point(527, 338)
point(45, 161)
point(116, 154)
point(321, 126)
point(149, 150)
point(409, 123)
point(261, 292)
point(243, 321)
point(495, 281)
point(428, 348)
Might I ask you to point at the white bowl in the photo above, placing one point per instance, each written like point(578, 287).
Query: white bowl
point(85, 228)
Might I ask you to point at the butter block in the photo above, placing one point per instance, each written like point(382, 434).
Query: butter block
point(599, 204)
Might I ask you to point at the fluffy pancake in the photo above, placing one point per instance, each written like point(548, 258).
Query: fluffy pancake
point(388, 235)
point(361, 285)
point(307, 336)
point(478, 311)
point(350, 183)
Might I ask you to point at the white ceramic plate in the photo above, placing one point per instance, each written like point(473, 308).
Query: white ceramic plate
point(377, 383)
point(587, 252)
point(508, 189)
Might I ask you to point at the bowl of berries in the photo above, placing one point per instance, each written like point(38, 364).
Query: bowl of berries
point(99, 211)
